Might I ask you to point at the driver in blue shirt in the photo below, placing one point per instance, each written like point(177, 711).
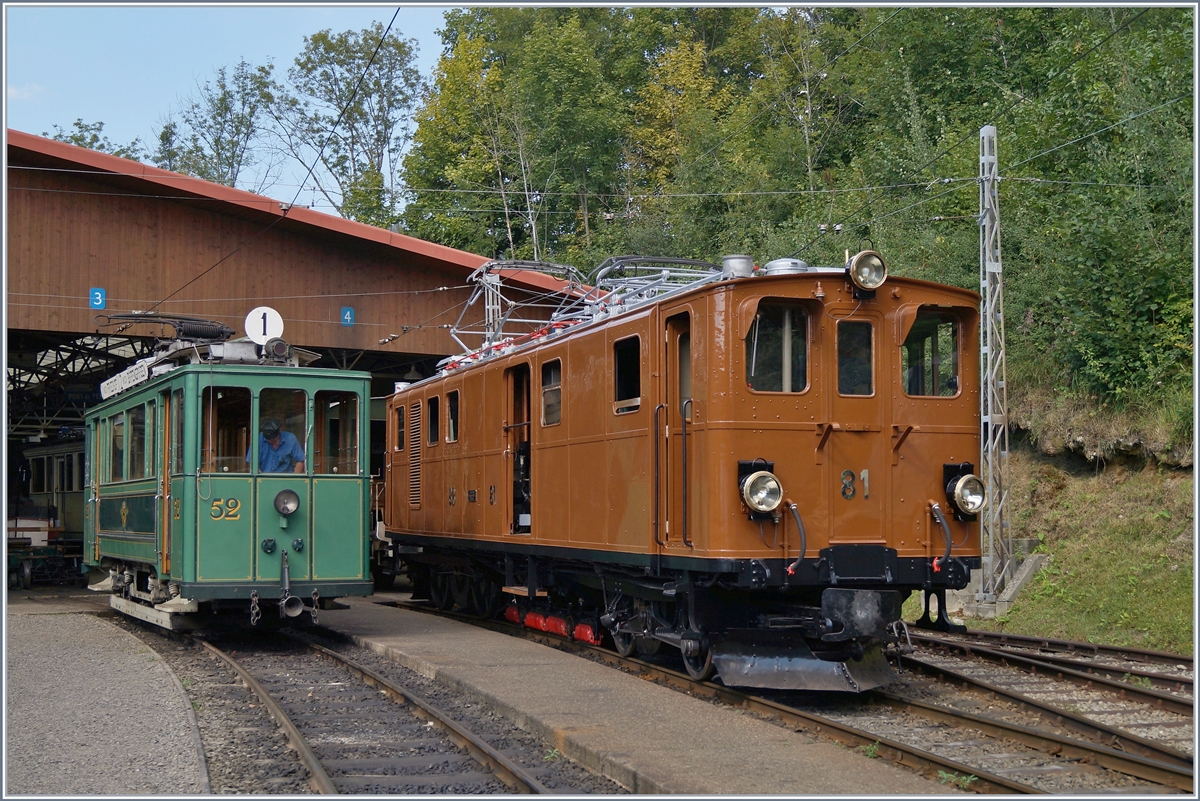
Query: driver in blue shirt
point(278, 451)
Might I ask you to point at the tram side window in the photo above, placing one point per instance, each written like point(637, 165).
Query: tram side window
point(226, 430)
point(929, 356)
point(452, 416)
point(336, 446)
point(177, 431)
point(116, 461)
point(855, 358)
point(283, 412)
point(777, 349)
point(37, 474)
point(137, 442)
point(627, 372)
point(552, 392)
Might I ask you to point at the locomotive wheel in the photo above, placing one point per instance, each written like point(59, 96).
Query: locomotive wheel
point(486, 596)
point(460, 593)
point(439, 591)
point(646, 646)
point(623, 642)
point(700, 666)
point(26, 575)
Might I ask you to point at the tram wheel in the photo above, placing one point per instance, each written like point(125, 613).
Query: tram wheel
point(700, 666)
point(439, 591)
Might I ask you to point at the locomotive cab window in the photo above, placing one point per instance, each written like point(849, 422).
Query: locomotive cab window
point(552, 392)
point(777, 348)
point(627, 374)
point(399, 443)
point(452, 416)
point(335, 449)
point(225, 441)
point(856, 358)
point(929, 355)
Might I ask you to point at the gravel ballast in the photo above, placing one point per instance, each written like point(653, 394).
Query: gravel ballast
point(92, 710)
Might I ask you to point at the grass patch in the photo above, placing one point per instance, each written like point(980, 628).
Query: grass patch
point(1120, 545)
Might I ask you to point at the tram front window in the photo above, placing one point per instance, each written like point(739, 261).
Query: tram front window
point(226, 430)
point(335, 447)
point(282, 430)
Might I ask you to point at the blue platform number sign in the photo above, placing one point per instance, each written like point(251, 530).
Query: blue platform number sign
point(347, 315)
point(97, 298)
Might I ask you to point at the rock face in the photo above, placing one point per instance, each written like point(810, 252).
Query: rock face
point(1055, 426)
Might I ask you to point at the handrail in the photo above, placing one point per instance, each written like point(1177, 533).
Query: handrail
point(657, 480)
point(683, 411)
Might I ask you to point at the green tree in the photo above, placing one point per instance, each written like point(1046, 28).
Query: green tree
point(91, 135)
point(349, 100)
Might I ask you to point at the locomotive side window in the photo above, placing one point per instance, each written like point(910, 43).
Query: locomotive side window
point(627, 371)
point(431, 412)
point(777, 349)
point(116, 464)
point(929, 356)
point(225, 442)
point(552, 392)
point(336, 445)
point(452, 416)
point(855, 358)
point(399, 428)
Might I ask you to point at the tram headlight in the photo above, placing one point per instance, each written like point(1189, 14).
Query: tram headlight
point(762, 491)
point(287, 502)
point(967, 493)
point(867, 270)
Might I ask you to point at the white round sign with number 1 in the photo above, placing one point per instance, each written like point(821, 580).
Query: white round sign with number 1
point(263, 323)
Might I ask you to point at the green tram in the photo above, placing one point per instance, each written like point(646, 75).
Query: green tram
point(226, 476)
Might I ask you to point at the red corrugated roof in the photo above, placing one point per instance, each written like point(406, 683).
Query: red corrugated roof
point(103, 162)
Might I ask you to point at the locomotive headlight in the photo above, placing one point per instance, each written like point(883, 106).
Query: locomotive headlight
point(968, 494)
point(762, 491)
point(867, 270)
point(287, 502)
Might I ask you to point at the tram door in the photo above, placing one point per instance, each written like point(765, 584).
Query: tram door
point(518, 503)
point(677, 438)
point(858, 463)
point(165, 504)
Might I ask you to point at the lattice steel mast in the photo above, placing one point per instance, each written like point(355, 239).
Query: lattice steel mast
point(993, 457)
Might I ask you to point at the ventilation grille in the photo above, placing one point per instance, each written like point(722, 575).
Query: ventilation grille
point(414, 454)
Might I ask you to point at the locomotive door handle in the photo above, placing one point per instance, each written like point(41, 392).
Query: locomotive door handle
point(823, 431)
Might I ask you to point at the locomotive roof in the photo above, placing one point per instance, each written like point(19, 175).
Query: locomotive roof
point(622, 285)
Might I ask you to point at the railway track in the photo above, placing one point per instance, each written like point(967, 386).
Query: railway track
point(1156, 725)
point(978, 750)
point(279, 714)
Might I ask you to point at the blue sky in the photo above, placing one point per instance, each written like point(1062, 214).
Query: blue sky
point(127, 66)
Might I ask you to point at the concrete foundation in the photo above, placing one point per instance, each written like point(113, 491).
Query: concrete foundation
point(962, 604)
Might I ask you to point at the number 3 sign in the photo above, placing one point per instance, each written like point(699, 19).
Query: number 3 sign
point(263, 323)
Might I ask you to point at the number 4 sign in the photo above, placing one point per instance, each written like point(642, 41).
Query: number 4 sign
point(263, 323)
point(347, 315)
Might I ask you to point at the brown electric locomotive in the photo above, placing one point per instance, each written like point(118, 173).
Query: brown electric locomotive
point(756, 466)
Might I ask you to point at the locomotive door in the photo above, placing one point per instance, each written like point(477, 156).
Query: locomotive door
point(858, 462)
point(675, 417)
point(518, 501)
